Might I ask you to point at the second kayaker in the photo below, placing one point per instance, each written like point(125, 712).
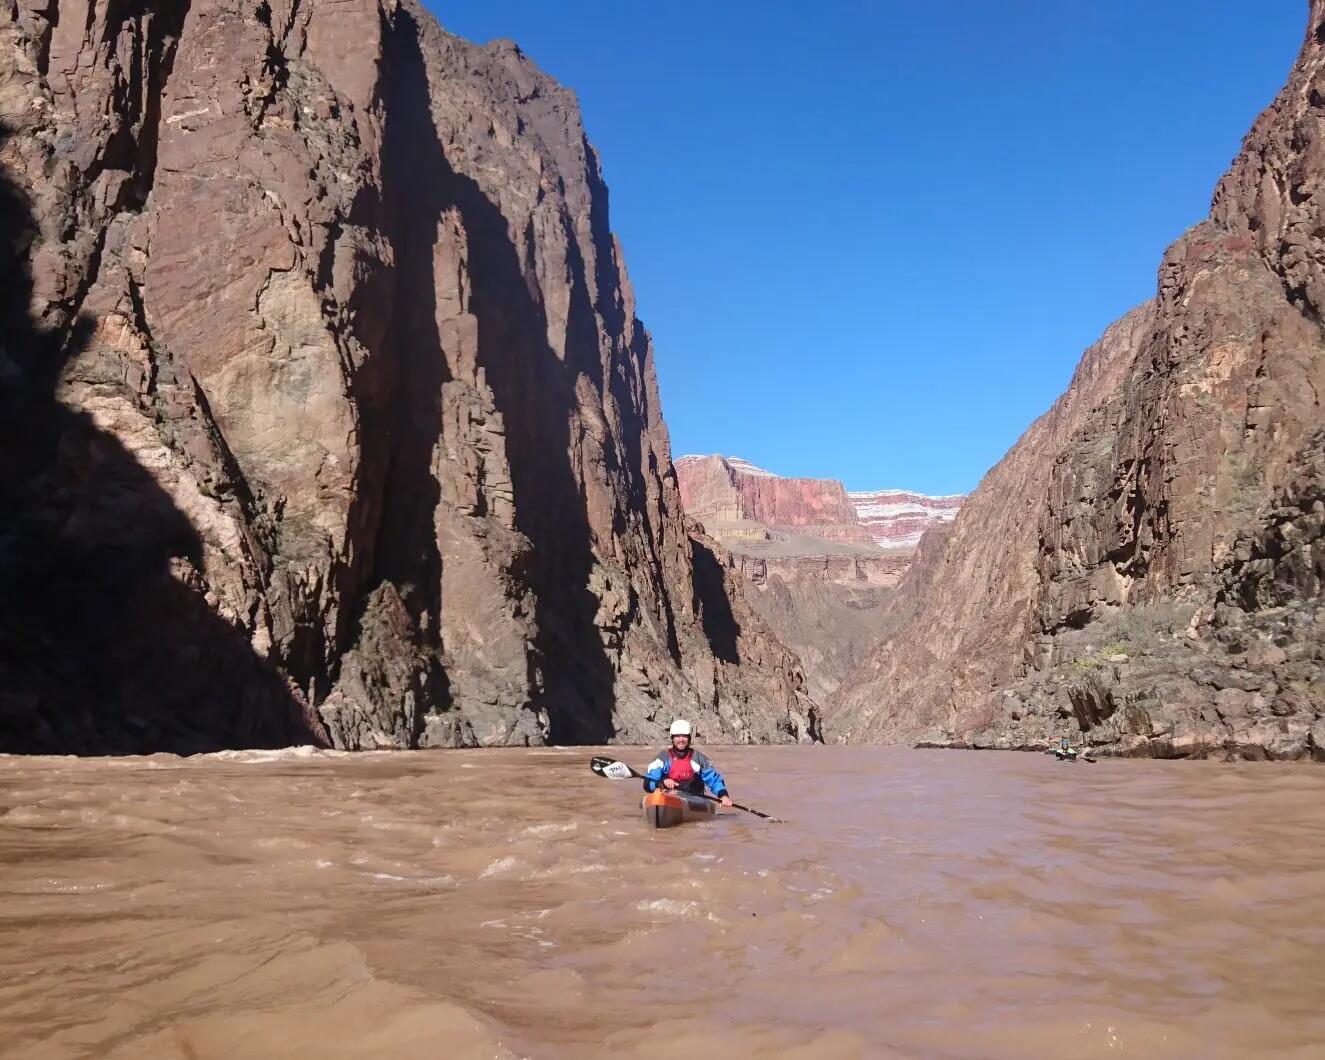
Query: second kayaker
point(681, 766)
point(1065, 750)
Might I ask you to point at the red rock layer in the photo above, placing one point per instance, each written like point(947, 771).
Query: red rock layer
point(715, 489)
point(1144, 570)
point(328, 415)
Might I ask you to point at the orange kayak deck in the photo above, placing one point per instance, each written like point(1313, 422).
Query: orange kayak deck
point(664, 809)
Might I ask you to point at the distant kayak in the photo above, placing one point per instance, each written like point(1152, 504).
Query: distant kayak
point(664, 809)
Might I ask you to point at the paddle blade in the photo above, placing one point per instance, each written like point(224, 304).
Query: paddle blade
point(605, 767)
point(759, 813)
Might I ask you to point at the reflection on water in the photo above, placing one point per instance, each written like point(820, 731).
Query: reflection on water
point(511, 903)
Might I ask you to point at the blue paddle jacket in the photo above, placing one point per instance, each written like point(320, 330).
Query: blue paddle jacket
point(703, 769)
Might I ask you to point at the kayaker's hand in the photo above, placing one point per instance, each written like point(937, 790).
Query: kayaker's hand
point(669, 784)
point(727, 801)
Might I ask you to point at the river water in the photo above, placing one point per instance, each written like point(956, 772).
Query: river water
point(511, 903)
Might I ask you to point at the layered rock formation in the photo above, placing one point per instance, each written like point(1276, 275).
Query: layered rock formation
point(327, 413)
point(810, 568)
point(724, 493)
point(899, 518)
point(1144, 570)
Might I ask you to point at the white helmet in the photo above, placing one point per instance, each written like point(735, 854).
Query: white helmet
point(681, 727)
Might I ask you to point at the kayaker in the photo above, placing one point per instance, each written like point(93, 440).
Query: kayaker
point(1065, 749)
point(681, 766)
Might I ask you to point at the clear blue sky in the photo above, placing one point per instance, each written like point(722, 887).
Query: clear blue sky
point(871, 240)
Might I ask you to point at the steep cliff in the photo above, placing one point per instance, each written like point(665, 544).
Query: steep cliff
point(1144, 568)
point(328, 414)
point(955, 626)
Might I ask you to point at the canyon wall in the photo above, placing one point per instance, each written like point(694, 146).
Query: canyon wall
point(826, 608)
point(1144, 570)
point(327, 414)
point(956, 626)
point(810, 567)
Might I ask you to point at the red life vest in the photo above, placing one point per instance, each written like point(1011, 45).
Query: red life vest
point(681, 768)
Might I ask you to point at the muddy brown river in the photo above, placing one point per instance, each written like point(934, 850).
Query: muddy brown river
point(511, 903)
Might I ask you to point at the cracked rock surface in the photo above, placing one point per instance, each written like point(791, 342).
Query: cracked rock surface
point(327, 414)
point(1143, 571)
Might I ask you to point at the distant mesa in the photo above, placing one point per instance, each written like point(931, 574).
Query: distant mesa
point(737, 501)
point(898, 518)
point(817, 563)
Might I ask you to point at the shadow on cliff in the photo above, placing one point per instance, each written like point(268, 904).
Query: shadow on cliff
point(107, 644)
point(714, 603)
point(533, 389)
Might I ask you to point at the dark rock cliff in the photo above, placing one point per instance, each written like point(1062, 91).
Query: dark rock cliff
point(328, 416)
point(1144, 569)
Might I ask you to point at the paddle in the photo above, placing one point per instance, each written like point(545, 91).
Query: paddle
point(606, 767)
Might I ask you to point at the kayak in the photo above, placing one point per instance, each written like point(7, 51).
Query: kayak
point(663, 809)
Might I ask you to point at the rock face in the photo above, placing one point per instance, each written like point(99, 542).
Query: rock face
point(327, 413)
point(1144, 569)
point(957, 625)
point(725, 492)
point(809, 567)
point(826, 608)
point(898, 518)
